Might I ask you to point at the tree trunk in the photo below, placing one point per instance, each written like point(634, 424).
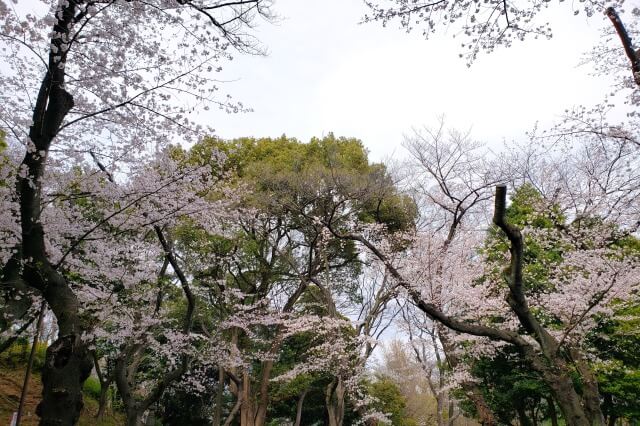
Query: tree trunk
point(535, 410)
point(299, 407)
point(263, 402)
point(440, 408)
point(590, 391)
point(247, 411)
point(557, 375)
point(67, 366)
point(267, 366)
point(102, 404)
point(334, 400)
point(552, 411)
point(568, 400)
point(105, 382)
point(217, 413)
point(233, 412)
point(134, 417)
point(125, 370)
point(452, 413)
point(68, 362)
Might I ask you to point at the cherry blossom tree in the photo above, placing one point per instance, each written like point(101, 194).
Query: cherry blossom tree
point(442, 276)
point(99, 86)
point(450, 177)
point(282, 255)
point(273, 255)
point(483, 27)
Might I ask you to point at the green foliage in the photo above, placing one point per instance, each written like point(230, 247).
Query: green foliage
point(528, 209)
point(17, 354)
point(92, 387)
point(509, 383)
point(284, 395)
point(616, 342)
point(290, 187)
point(286, 174)
point(182, 407)
point(389, 400)
point(5, 180)
point(289, 184)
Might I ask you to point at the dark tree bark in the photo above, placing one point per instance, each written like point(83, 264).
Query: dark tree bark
point(68, 363)
point(577, 410)
point(631, 53)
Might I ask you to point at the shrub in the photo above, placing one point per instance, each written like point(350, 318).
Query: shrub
point(92, 387)
point(18, 354)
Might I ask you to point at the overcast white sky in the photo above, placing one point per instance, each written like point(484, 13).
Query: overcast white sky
point(325, 72)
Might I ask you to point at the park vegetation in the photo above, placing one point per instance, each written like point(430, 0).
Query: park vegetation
point(178, 278)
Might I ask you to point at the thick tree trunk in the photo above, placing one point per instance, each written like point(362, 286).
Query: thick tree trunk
point(134, 417)
point(484, 412)
point(568, 400)
point(263, 401)
point(125, 370)
point(556, 373)
point(68, 361)
point(334, 400)
point(67, 366)
point(590, 391)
